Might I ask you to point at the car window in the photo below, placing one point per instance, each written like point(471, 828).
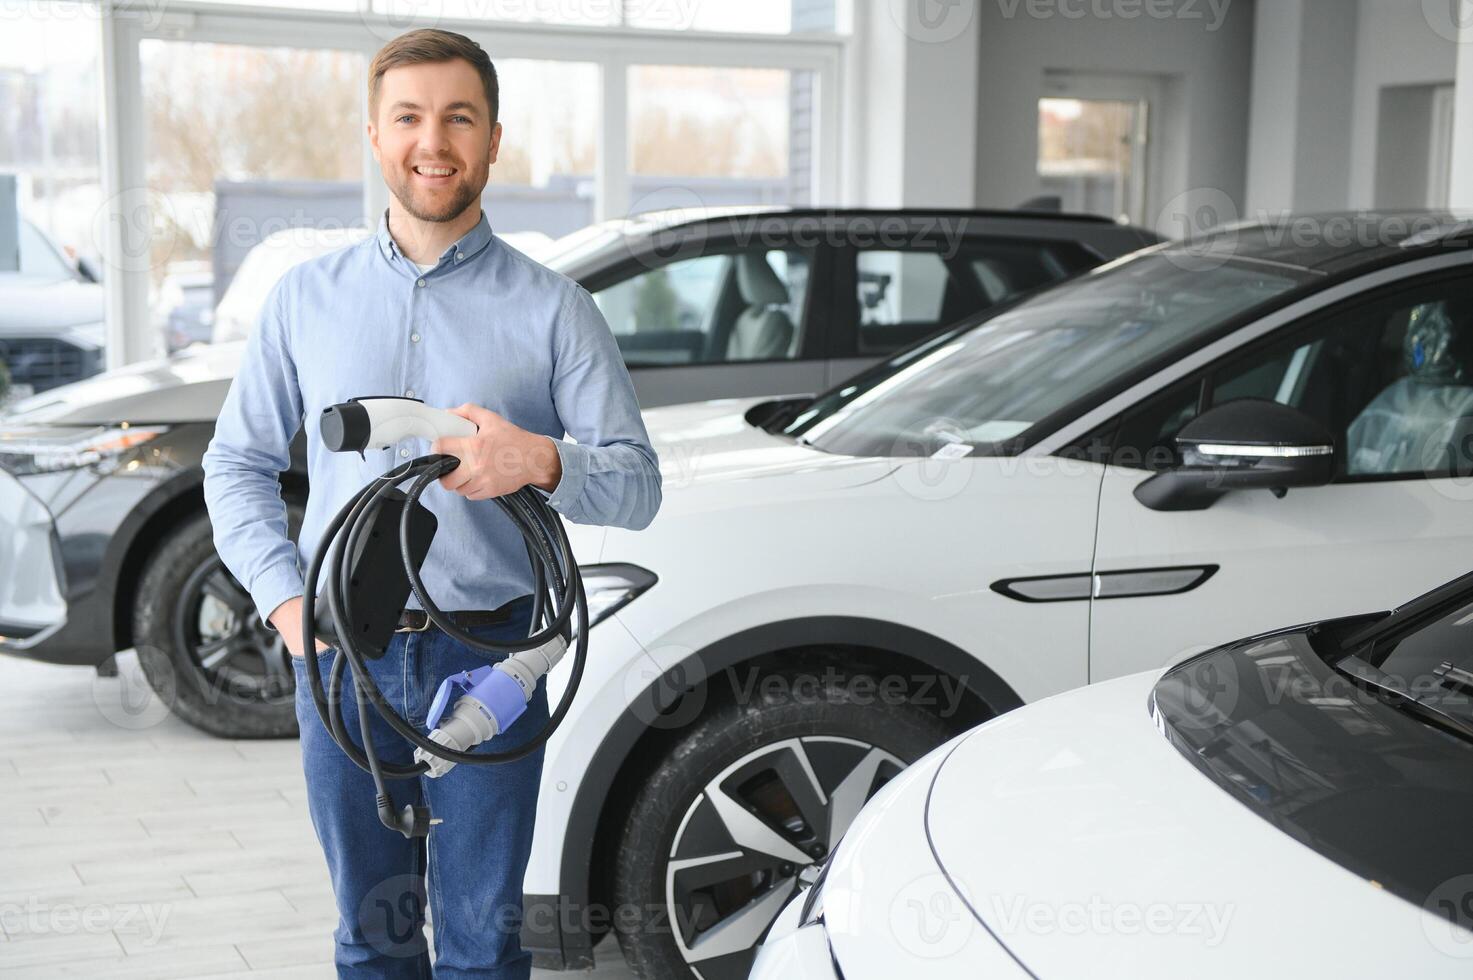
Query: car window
point(904, 295)
point(1392, 379)
point(711, 309)
point(38, 257)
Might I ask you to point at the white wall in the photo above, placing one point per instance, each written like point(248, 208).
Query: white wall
point(1395, 46)
point(1203, 56)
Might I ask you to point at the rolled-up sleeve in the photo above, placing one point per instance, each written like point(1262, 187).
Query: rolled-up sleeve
point(250, 448)
point(611, 475)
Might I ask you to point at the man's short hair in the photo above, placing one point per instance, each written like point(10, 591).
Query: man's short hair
point(428, 46)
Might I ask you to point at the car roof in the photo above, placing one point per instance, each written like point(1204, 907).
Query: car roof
point(1333, 243)
point(674, 217)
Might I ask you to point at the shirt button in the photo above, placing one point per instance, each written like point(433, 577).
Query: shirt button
point(403, 452)
point(421, 282)
point(414, 338)
point(409, 393)
point(458, 256)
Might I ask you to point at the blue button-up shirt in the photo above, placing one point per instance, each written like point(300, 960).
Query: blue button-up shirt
point(486, 325)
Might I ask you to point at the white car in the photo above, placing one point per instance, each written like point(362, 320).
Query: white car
point(1078, 837)
point(1189, 445)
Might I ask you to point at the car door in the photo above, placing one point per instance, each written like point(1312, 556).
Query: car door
point(891, 291)
point(1396, 520)
point(731, 320)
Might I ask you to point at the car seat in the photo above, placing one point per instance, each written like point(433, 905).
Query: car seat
point(763, 330)
point(1419, 423)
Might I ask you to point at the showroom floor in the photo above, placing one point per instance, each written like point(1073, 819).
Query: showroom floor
point(133, 846)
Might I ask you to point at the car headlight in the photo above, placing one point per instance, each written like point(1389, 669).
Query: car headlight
point(609, 588)
point(45, 450)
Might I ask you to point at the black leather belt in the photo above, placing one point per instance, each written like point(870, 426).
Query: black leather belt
point(416, 621)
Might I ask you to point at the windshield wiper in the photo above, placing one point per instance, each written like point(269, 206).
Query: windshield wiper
point(1396, 695)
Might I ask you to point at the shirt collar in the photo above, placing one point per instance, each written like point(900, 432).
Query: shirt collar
point(468, 246)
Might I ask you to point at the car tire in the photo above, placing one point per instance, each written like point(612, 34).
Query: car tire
point(667, 898)
point(201, 645)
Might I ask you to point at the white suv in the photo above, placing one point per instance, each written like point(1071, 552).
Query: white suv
point(1192, 444)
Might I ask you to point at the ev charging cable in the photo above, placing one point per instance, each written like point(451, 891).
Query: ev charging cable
point(487, 700)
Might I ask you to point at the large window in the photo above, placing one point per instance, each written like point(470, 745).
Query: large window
point(240, 124)
point(542, 184)
point(278, 166)
point(714, 136)
point(51, 307)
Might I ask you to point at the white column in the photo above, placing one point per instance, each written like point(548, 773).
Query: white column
point(912, 140)
point(123, 227)
point(1461, 193)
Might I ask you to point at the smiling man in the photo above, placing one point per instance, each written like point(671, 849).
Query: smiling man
point(433, 307)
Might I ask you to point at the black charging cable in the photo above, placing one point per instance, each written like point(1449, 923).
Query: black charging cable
point(557, 595)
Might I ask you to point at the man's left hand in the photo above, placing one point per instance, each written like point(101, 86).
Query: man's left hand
point(499, 459)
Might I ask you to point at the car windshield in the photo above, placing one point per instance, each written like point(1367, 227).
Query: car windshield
point(1330, 755)
point(990, 382)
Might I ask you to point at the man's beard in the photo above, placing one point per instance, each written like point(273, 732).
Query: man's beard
point(465, 193)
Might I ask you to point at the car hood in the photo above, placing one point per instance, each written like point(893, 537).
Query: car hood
point(188, 387)
point(1087, 845)
point(33, 306)
point(706, 442)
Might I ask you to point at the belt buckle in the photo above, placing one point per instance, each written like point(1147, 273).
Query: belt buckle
point(416, 629)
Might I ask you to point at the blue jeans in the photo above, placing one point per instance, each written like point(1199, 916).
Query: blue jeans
point(472, 864)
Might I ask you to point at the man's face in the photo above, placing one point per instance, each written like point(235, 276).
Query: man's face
point(433, 138)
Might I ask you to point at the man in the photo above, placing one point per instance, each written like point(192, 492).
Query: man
point(433, 307)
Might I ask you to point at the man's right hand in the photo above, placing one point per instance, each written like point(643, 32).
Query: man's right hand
point(287, 618)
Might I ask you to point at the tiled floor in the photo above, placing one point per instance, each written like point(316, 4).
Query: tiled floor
point(134, 846)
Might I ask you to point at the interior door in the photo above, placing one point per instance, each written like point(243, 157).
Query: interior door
point(1391, 375)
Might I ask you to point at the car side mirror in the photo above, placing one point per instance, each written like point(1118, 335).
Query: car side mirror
point(88, 270)
point(1245, 444)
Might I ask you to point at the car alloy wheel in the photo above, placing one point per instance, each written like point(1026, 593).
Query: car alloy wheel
point(743, 842)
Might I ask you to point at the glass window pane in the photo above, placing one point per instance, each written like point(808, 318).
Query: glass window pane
point(905, 295)
point(1087, 155)
point(583, 13)
point(279, 167)
point(703, 136)
point(542, 183)
point(49, 71)
point(749, 17)
point(711, 309)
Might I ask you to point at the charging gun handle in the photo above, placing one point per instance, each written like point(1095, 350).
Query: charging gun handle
point(378, 422)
